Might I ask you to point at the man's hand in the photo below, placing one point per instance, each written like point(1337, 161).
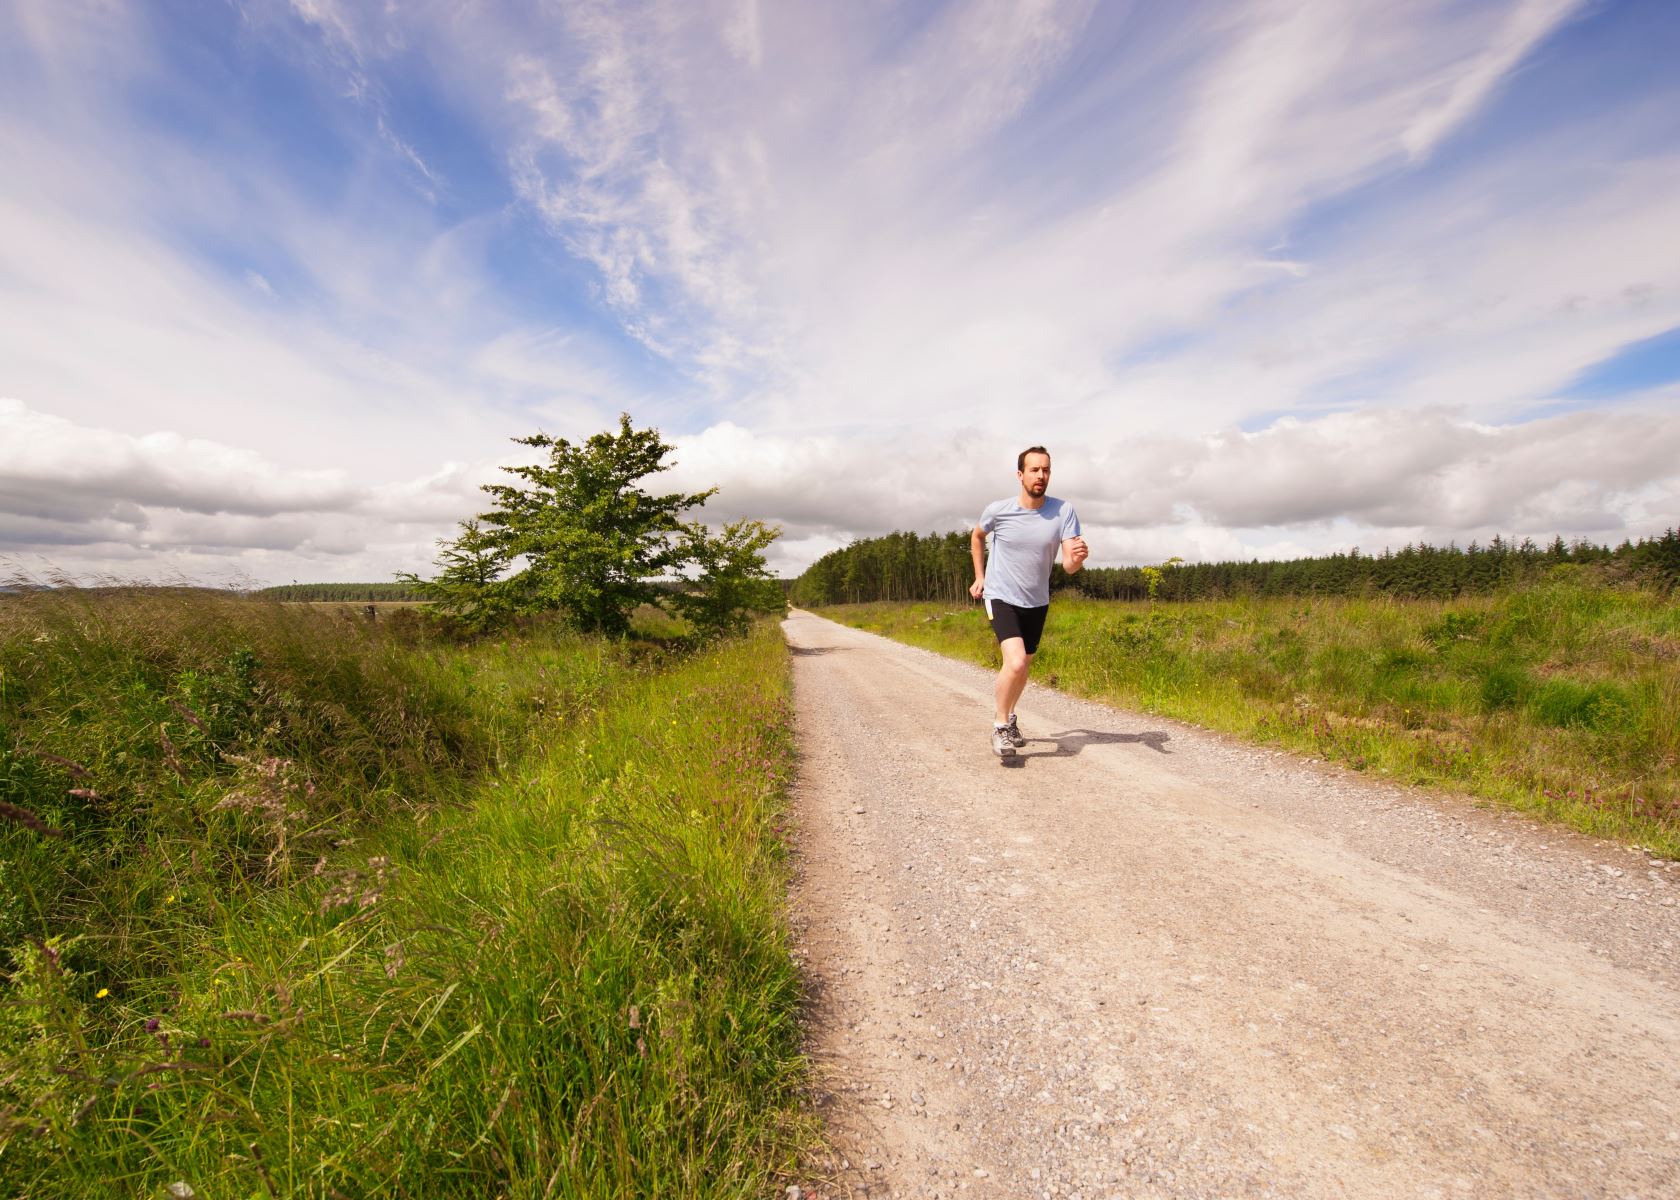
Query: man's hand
point(1074, 554)
point(977, 588)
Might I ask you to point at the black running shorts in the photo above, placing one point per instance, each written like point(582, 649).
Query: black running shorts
point(1011, 621)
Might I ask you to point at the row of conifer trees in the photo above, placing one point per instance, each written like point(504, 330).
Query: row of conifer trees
point(905, 566)
point(358, 593)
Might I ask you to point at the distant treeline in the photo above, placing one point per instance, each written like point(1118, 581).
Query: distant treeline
point(358, 593)
point(905, 566)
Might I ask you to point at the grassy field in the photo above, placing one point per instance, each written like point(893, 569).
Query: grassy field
point(1560, 699)
point(295, 904)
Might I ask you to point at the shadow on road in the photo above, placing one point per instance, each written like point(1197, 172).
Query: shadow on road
point(1066, 745)
point(809, 651)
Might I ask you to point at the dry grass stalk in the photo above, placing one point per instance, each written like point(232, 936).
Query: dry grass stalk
point(22, 816)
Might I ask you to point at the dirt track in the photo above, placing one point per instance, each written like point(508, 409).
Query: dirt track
point(1146, 961)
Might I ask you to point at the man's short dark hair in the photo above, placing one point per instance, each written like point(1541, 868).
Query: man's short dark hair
point(1021, 458)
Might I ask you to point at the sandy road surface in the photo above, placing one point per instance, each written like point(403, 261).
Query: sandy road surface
point(1146, 961)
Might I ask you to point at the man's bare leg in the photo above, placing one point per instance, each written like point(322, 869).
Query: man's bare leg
point(1012, 677)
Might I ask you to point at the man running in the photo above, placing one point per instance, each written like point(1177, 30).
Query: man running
point(1026, 530)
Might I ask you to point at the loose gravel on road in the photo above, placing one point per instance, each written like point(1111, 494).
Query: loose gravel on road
point(1146, 961)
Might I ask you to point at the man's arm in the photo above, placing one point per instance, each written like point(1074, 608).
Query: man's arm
point(977, 548)
point(1074, 553)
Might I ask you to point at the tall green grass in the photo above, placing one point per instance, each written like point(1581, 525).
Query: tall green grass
point(1559, 699)
point(388, 917)
point(198, 745)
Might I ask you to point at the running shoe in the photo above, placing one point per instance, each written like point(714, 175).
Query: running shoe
point(1001, 745)
point(1014, 732)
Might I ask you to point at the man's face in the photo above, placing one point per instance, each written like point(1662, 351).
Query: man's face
point(1035, 476)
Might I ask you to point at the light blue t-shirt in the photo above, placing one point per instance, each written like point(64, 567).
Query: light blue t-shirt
point(1024, 545)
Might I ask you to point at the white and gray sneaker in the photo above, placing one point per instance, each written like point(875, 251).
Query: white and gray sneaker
point(1002, 746)
point(1014, 732)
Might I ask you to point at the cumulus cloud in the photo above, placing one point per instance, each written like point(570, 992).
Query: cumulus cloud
point(1431, 469)
point(74, 495)
point(1298, 486)
point(79, 496)
point(48, 461)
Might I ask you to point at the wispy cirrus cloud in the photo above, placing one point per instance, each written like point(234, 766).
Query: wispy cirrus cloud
point(1525, 26)
point(879, 262)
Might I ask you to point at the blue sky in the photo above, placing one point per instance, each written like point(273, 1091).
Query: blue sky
point(280, 278)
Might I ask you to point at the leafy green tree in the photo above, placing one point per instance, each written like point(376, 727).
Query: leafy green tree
point(593, 541)
point(588, 540)
point(732, 580)
point(469, 584)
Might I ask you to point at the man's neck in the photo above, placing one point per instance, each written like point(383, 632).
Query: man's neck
point(1028, 500)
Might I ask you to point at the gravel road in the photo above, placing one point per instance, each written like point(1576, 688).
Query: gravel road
point(1148, 961)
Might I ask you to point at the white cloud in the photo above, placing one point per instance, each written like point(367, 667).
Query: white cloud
point(743, 33)
point(76, 466)
point(332, 20)
point(1529, 23)
point(1433, 469)
point(77, 495)
point(88, 499)
point(1296, 487)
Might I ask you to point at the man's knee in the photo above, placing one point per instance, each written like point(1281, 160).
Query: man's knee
point(1015, 657)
